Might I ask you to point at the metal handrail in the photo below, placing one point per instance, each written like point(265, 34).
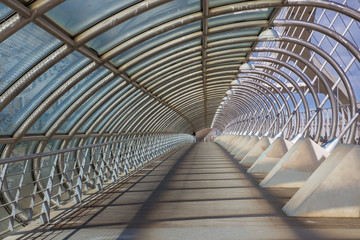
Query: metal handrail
point(46, 154)
point(31, 191)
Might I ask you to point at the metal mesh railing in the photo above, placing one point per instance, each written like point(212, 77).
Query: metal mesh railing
point(33, 185)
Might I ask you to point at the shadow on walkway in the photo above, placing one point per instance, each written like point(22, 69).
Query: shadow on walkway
point(170, 199)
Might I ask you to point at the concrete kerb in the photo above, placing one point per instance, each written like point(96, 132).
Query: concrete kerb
point(302, 159)
point(256, 151)
point(234, 143)
point(333, 189)
point(246, 147)
point(224, 140)
point(230, 141)
point(241, 143)
point(271, 156)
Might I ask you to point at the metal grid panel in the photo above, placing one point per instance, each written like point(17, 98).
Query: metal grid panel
point(174, 61)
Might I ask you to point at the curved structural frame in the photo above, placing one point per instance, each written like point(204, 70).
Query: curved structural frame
point(129, 74)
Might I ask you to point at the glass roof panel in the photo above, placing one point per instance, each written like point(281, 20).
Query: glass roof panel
point(234, 34)
point(227, 56)
point(89, 141)
point(224, 64)
point(110, 128)
point(65, 128)
point(243, 16)
point(25, 102)
point(163, 54)
point(197, 78)
point(174, 71)
point(68, 16)
point(116, 110)
point(53, 145)
point(156, 41)
point(229, 46)
point(103, 108)
point(70, 122)
point(21, 51)
point(73, 143)
point(143, 22)
point(124, 120)
point(22, 149)
point(51, 115)
point(143, 77)
point(4, 11)
point(160, 82)
point(215, 3)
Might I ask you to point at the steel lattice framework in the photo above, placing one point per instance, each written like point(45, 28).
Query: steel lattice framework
point(91, 90)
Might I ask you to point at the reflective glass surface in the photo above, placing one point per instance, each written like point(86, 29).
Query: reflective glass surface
point(24, 103)
point(116, 110)
point(167, 64)
point(249, 15)
point(15, 170)
point(52, 145)
point(101, 140)
point(230, 46)
point(69, 97)
point(21, 51)
point(89, 141)
point(154, 42)
point(126, 114)
point(103, 108)
point(143, 22)
point(173, 72)
point(68, 16)
point(164, 54)
point(23, 149)
point(70, 122)
point(188, 75)
point(159, 72)
point(4, 11)
point(48, 161)
point(227, 56)
point(73, 143)
point(215, 3)
point(234, 34)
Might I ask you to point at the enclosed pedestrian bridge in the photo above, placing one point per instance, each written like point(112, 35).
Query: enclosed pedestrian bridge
point(183, 119)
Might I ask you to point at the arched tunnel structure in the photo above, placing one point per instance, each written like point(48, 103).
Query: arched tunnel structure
point(91, 91)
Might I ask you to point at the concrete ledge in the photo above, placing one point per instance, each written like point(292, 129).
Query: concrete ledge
point(234, 143)
point(246, 147)
point(233, 140)
point(240, 144)
point(225, 140)
point(229, 141)
point(257, 150)
point(271, 156)
point(333, 190)
point(302, 159)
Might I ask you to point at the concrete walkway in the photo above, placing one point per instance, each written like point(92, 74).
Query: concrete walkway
point(195, 192)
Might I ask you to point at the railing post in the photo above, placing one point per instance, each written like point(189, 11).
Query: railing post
point(45, 208)
point(79, 181)
point(100, 173)
point(116, 167)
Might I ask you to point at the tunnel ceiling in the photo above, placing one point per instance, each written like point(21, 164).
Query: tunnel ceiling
point(100, 68)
